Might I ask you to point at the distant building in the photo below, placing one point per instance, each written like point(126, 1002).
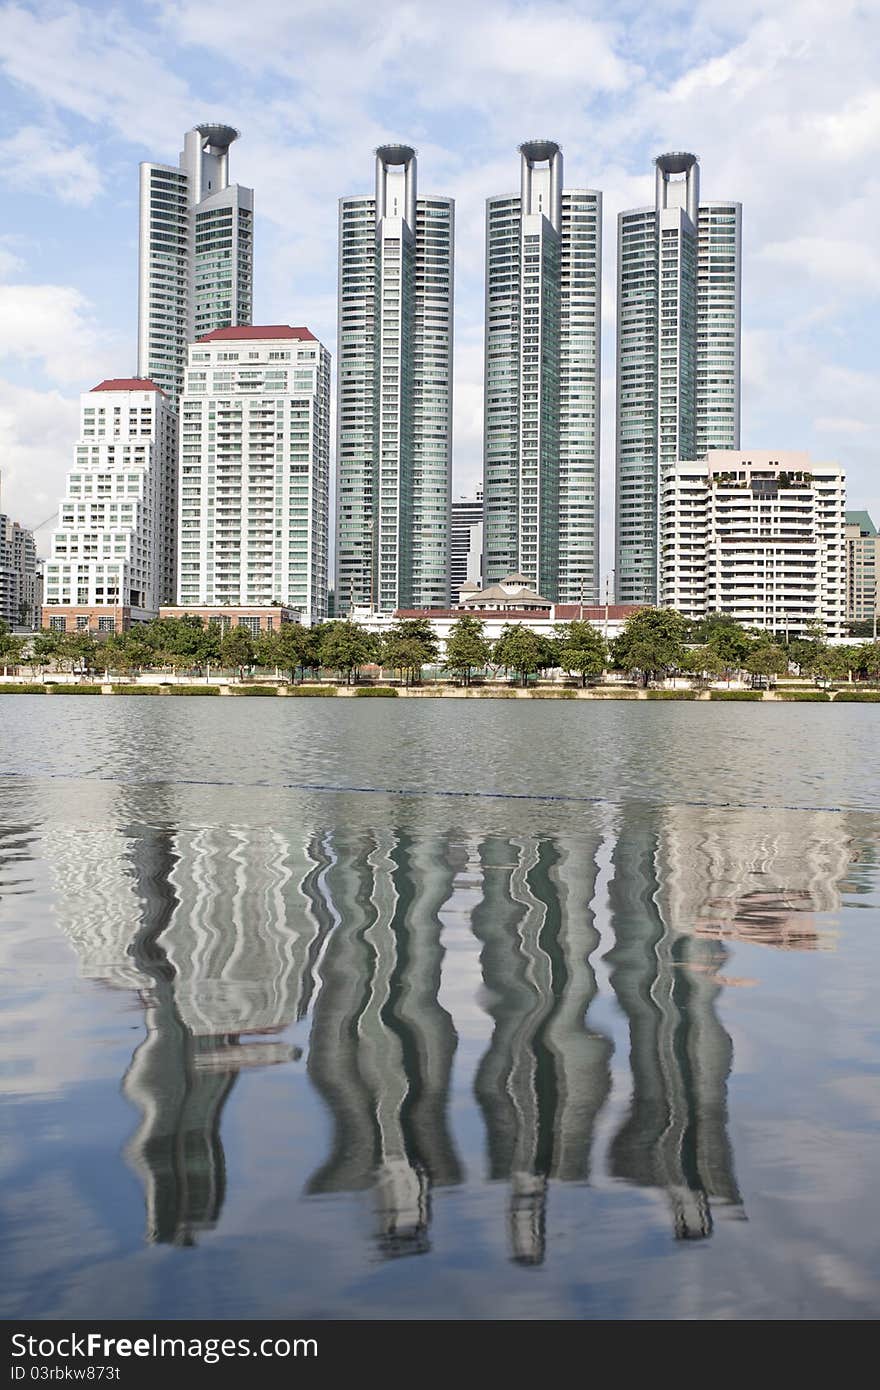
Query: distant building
point(112, 554)
point(542, 380)
point(503, 605)
point(678, 352)
point(196, 254)
point(862, 568)
point(18, 574)
point(394, 439)
point(757, 535)
point(255, 620)
point(254, 477)
point(466, 543)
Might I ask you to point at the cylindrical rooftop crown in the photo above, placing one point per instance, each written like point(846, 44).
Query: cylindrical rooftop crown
point(538, 150)
point(219, 137)
point(676, 162)
point(395, 154)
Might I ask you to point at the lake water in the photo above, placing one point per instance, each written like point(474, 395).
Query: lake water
point(431, 1009)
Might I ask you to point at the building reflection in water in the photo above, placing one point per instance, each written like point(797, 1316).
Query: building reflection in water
point(382, 1046)
point(230, 935)
point(545, 1074)
point(685, 880)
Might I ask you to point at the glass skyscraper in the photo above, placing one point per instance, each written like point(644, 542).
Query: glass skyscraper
point(542, 381)
point(196, 254)
point(678, 353)
point(394, 454)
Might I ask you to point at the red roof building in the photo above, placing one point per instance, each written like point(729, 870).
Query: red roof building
point(245, 331)
point(128, 383)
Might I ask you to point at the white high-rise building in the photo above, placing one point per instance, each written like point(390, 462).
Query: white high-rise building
point(756, 534)
point(196, 254)
point(678, 353)
point(112, 556)
point(542, 381)
point(394, 439)
point(254, 471)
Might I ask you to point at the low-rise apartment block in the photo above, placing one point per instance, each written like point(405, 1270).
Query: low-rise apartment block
point(758, 535)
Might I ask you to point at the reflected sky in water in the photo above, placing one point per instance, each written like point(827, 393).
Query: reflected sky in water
point(278, 1044)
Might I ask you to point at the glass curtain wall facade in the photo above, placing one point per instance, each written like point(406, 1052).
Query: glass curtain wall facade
point(196, 254)
point(394, 444)
point(542, 384)
point(678, 353)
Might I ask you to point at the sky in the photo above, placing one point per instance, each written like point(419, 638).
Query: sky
point(779, 98)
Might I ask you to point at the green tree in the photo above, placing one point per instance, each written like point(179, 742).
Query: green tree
point(704, 661)
point(294, 648)
point(408, 646)
point(731, 644)
point(652, 643)
point(520, 650)
point(767, 659)
point(81, 649)
point(345, 647)
point(236, 648)
point(48, 646)
point(834, 664)
point(467, 648)
point(580, 648)
point(11, 647)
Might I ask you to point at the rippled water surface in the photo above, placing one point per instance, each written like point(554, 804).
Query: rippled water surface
point(407, 1009)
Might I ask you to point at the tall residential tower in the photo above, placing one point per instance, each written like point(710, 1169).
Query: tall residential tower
point(678, 353)
point(542, 381)
point(394, 455)
point(196, 254)
point(255, 471)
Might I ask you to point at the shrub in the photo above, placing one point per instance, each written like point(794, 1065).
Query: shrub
point(858, 697)
point(23, 689)
point(189, 690)
point(253, 690)
point(809, 696)
point(616, 694)
point(306, 690)
point(672, 694)
point(366, 691)
point(74, 689)
point(735, 694)
point(139, 689)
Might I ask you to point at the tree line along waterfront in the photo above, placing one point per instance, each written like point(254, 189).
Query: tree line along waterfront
point(657, 644)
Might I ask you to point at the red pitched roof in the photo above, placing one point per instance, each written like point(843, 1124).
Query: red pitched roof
point(128, 383)
point(247, 330)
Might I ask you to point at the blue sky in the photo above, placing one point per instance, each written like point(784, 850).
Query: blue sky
point(780, 100)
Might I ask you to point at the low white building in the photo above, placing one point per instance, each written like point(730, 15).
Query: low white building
point(254, 479)
point(510, 602)
point(112, 555)
point(758, 535)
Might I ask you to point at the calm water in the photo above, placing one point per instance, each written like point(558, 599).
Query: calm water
point(334, 1010)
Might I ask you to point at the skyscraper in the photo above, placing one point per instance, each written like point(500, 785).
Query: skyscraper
point(112, 558)
point(394, 455)
point(542, 381)
point(18, 573)
point(196, 254)
point(466, 543)
point(255, 470)
point(678, 353)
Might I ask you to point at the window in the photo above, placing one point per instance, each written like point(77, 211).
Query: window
point(250, 625)
point(106, 624)
point(58, 624)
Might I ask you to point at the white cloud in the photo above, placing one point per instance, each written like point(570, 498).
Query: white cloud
point(34, 159)
point(52, 327)
point(37, 432)
point(835, 261)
